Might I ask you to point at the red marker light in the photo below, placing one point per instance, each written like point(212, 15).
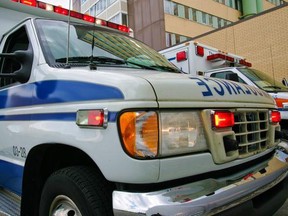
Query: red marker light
point(76, 15)
point(181, 56)
point(245, 63)
point(32, 3)
point(95, 118)
point(222, 119)
point(275, 117)
point(200, 51)
point(61, 10)
point(92, 118)
point(112, 25)
point(123, 28)
point(88, 18)
point(216, 57)
point(101, 22)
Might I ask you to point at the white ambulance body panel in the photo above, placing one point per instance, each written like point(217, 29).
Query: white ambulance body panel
point(110, 127)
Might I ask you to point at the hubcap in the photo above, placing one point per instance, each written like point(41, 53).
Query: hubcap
point(63, 206)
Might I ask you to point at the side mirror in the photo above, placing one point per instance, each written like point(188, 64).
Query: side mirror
point(232, 77)
point(25, 59)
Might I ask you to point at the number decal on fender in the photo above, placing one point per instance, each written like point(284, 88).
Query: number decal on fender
point(19, 151)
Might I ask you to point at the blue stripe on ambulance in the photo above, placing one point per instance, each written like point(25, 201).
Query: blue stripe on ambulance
point(56, 91)
point(11, 176)
point(172, 59)
point(47, 92)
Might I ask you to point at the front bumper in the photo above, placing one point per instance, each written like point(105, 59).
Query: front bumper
point(189, 200)
point(284, 111)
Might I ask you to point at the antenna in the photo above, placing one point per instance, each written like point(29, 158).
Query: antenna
point(92, 65)
point(67, 66)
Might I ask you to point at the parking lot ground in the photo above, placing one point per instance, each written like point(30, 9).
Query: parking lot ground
point(283, 211)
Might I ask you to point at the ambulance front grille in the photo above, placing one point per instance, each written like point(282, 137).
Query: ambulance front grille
point(251, 130)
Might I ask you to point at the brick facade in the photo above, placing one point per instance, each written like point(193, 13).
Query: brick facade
point(262, 40)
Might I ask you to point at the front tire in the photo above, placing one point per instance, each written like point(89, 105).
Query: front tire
point(76, 191)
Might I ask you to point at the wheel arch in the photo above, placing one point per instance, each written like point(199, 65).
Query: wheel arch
point(41, 162)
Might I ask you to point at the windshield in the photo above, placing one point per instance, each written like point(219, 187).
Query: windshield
point(263, 80)
point(90, 44)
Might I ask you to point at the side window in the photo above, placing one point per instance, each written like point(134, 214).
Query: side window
point(224, 75)
point(16, 41)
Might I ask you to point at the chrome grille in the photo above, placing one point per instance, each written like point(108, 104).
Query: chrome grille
point(251, 130)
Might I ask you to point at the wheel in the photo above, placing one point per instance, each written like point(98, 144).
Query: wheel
point(76, 191)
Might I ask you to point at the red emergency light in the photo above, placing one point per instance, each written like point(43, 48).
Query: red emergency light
point(92, 118)
point(275, 117)
point(200, 51)
point(222, 119)
point(181, 56)
point(61, 10)
point(88, 18)
point(123, 28)
point(219, 57)
point(96, 118)
point(101, 22)
point(74, 14)
point(32, 3)
point(243, 62)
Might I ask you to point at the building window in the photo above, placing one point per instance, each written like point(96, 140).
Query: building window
point(192, 14)
point(181, 11)
point(199, 16)
point(116, 19)
point(99, 7)
point(276, 2)
point(173, 39)
point(215, 22)
point(230, 3)
point(120, 18)
point(124, 19)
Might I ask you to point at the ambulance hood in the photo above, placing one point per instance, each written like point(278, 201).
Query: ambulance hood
point(182, 87)
point(167, 88)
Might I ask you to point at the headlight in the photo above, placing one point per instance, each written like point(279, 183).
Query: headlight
point(139, 131)
point(180, 133)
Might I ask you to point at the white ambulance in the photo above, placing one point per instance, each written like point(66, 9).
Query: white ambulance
point(196, 58)
point(94, 122)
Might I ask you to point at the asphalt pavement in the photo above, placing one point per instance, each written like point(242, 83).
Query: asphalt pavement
point(283, 211)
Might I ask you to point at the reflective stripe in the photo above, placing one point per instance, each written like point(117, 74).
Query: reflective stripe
point(50, 117)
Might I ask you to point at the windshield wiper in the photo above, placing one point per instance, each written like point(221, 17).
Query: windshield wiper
point(98, 60)
point(94, 59)
point(167, 68)
point(153, 67)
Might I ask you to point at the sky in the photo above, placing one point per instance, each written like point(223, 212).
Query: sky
point(63, 3)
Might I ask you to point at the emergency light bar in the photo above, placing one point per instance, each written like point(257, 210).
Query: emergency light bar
point(243, 62)
point(64, 11)
point(219, 56)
